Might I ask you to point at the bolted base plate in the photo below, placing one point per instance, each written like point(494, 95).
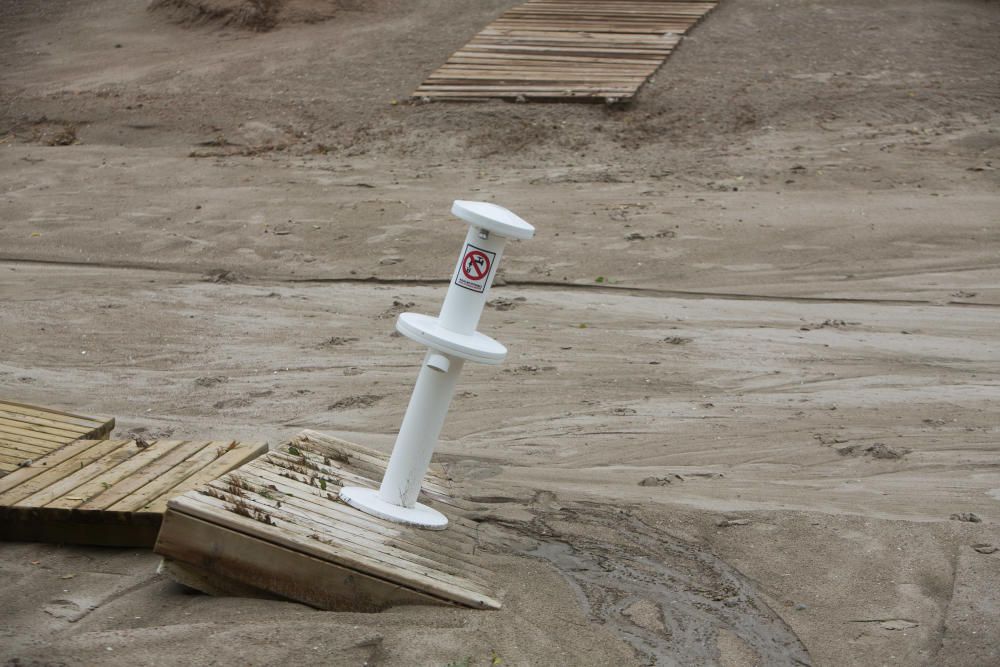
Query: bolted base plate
point(368, 500)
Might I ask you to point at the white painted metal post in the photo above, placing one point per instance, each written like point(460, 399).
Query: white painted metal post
point(453, 340)
point(463, 307)
point(420, 429)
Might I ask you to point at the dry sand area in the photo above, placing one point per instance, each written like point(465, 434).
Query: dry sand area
point(751, 414)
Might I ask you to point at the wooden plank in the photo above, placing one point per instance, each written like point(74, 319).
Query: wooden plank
point(526, 94)
point(52, 473)
point(105, 492)
point(265, 477)
point(285, 572)
point(544, 48)
point(39, 430)
point(229, 460)
point(528, 90)
point(169, 479)
point(47, 445)
point(178, 450)
point(29, 432)
point(38, 411)
point(305, 522)
point(106, 481)
point(553, 50)
point(12, 460)
point(578, 36)
point(123, 450)
point(28, 451)
point(73, 429)
point(536, 73)
point(299, 494)
point(355, 476)
point(37, 524)
point(519, 78)
point(22, 475)
point(23, 432)
point(18, 452)
point(360, 459)
point(285, 535)
point(543, 68)
point(207, 581)
point(284, 506)
point(462, 56)
point(605, 11)
point(484, 60)
point(610, 32)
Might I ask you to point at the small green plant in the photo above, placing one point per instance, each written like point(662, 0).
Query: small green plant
point(599, 279)
point(494, 660)
point(294, 451)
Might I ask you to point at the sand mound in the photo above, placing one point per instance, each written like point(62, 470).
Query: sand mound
point(259, 15)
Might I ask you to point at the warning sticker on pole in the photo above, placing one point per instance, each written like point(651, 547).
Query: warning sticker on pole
point(474, 271)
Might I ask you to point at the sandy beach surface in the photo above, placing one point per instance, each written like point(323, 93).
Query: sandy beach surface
point(750, 412)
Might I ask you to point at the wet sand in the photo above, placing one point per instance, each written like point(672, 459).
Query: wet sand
point(754, 357)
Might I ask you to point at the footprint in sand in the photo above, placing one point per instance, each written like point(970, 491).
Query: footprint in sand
point(63, 609)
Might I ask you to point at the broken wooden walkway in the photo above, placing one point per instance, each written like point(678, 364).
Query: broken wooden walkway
point(566, 50)
point(109, 492)
point(29, 432)
point(276, 527)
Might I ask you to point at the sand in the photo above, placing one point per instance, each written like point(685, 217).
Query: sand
point(754, 358)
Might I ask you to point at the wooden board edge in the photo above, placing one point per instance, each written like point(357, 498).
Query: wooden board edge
point(83, 527)
point(260, 564)
point(43, 408)
point(209, 582)
point(104, 431)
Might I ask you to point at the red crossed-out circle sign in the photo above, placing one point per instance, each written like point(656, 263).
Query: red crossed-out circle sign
point(475, 265)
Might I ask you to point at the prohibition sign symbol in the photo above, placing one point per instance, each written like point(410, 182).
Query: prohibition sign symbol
point(475, 265)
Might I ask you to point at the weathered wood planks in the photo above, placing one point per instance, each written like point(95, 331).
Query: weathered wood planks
point(109, 492)
point(566, 49)
point(277, 526)
point(29, 432)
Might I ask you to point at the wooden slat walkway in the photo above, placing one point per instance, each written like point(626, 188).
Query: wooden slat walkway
point(277, 526)
point(29, 432)
point(109, 492)
point(369, 464)
point(566, 49)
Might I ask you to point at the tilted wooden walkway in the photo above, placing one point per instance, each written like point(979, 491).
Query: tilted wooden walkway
point(566, 49)
point(29, 432)
point(276, 526)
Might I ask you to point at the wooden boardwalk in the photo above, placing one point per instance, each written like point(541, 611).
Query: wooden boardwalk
point(276, 526)
point(29, 432)
point(109, 492)
point(566, 49)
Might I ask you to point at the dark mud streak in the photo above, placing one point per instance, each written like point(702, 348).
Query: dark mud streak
point(554, 285)
point(696, 593)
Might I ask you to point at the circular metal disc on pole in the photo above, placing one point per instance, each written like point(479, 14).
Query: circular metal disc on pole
point(427, 330)
point(367, 500)
point(494, 218)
